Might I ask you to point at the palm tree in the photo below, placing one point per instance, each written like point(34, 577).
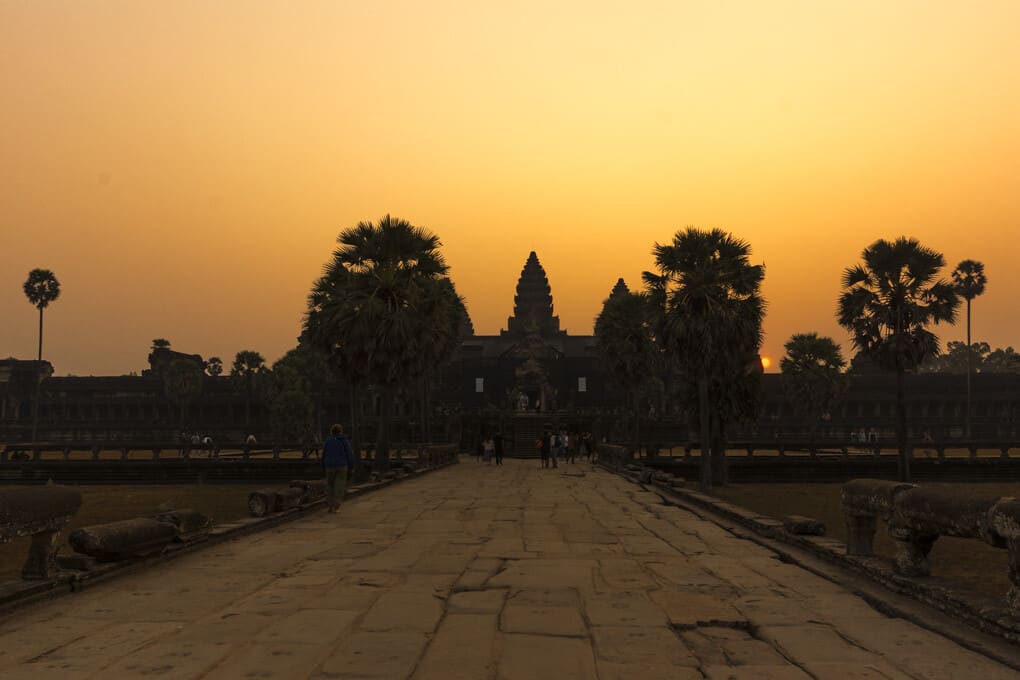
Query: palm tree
point(707, 296)
point(626, 345)
point(813, 376)
point(969, 279)
point(41, 288)
point(247, 366)
point(888, 303)
point(214, 366)
point(384, 311)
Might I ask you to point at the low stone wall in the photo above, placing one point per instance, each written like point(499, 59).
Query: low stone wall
point(121, 547)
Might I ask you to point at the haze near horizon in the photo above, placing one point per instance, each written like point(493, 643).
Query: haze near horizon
point(184, 168)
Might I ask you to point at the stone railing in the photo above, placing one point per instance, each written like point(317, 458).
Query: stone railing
point(437, 454)
point(162, 451)
point(835, 448)
point(140, 537)
point(613, 456)
point(40, 513)
point(300, 493)
point(917, 516)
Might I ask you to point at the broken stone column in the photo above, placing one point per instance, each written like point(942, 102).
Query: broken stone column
point(921, 515)
point(190, 525)
point(1004, 519)
point(123, 540)
point(864, 501)
point(39, 512)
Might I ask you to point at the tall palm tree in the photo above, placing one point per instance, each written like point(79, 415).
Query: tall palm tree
point(384, 310)
point(888, 303)
point(247, 366)
point(813, 376)
point(969, 279)
point(707, 296)
point(626, 345)
point(41, 288)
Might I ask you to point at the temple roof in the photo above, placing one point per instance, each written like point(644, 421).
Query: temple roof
point(533, 304)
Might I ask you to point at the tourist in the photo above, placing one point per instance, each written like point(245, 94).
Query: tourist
point(498, 448)
point(250, 440)
point(554, 449)
point(207, 444)
point(565, 446)
point(337, 463)
point(544, 446)
point(487, 449)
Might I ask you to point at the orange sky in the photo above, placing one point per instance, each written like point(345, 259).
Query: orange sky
point(184, 167)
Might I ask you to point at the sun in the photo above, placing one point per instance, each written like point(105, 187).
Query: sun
point(765, 363)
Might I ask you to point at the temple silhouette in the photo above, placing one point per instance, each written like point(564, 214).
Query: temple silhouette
point(530, 375)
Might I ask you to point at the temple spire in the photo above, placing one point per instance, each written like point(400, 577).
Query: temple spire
point(533, 304)
point(619, 289)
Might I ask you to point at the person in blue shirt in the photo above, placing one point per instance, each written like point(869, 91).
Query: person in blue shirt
point(337, 463)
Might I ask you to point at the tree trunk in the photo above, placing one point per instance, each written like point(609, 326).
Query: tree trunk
point(969, 369)
point(705, 443)
point(901, 427)
point(718, 453)
point(637, 423)
point(41, 333)
point(355, 434)
point(38, 382)
point(381, 462)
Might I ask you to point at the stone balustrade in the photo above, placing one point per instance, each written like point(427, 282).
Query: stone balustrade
point(613, 456)
point(300, 493)
point(39, 512)
point(140, 537)
point(917, 516)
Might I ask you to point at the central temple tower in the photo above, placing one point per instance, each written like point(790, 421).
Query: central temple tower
point(533, 306)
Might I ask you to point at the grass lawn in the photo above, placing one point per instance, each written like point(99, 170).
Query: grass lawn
point(101, 504)
point(967, 564)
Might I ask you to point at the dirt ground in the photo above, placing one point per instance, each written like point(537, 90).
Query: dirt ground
point(101, 504)
point(967, 564)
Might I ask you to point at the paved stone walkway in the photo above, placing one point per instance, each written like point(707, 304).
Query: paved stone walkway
point(481, 572)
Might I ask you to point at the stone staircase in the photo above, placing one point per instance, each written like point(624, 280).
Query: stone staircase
point(527, 430)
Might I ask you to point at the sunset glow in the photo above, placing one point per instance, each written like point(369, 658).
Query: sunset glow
point(184, 167)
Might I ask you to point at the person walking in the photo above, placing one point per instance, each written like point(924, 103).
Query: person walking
point(544, 448)
point(554, 445)
point(498, 446)
point(488, 447)
point(337, 463)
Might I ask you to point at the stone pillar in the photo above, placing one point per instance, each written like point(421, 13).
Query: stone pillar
point(860, 534)
point(42, 556)
point(1013, 596)
point(912, 549)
